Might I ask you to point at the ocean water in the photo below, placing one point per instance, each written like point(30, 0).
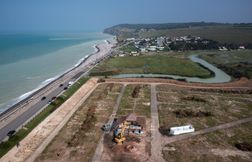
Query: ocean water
point(30, 61)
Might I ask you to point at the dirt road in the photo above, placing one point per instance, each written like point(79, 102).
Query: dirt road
point(156, 148)
point(242, 84)
point(158, 141)
point(36, 141)
point(168, 140)
point(99, 149)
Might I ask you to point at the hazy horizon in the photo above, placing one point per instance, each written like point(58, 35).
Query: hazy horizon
point(96, 15)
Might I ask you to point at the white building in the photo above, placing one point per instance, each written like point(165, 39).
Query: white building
point(121, 55)
point(160, 41)
point(223, 48)
point(130, 39)
point(143, 50)
point(135, 54)
point(160, 48)
point(181, 130)
point(152, 48)
point(241, 47)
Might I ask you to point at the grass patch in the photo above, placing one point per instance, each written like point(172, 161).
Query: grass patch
point(129, 48)
point(155, 64)
point(223, 34)
point(235, 63)
point(22, 133)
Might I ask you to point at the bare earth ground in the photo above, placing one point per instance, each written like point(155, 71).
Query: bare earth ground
point(132, 149)
point(162, 103)
point(228, 102)
point(209, 112)
point(213, 146)
point(99, 149)
point(156, 141)
point(243, 83)
point(46, 130)
point(78, 139)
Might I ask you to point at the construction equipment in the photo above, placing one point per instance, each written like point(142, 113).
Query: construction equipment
point(106, 127)
point(119, 133)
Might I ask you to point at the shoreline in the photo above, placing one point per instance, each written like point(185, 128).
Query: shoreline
point(38, 89)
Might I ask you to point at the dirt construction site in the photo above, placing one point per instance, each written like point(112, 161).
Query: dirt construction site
point(129, 120)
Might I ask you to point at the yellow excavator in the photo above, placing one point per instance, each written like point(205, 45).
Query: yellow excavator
point(119, 133)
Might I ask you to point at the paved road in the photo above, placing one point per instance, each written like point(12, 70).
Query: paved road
point(156, 148)
point(30, 112)
point(22, 113)
point(99, 149)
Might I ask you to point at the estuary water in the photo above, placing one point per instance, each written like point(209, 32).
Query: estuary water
point(220, 76)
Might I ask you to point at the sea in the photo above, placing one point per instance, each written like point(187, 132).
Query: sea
point(29, 61)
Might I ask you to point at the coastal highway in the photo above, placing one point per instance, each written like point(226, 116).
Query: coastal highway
point(19, 116)
point(29, 113)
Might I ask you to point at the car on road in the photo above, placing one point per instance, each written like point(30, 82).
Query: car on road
point(70, 83)
point(65, 88)
point(61, 85)
point(11, 133)
point(43, 98)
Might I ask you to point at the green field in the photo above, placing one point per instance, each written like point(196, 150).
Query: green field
point(129, 48)
point(235, 63)
point(155, 64)
point(222, 34)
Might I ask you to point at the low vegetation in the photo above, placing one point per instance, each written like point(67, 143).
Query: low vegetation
point(223, 33)
point(22, 133)
point(235, 63)
point(155, 64)
point(232, 144)
point(184, 106)
point(129, 48)
point(190, 113)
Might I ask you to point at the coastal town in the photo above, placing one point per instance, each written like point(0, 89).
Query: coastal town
point(126, 81)
point(136, 46)
point(128, 117)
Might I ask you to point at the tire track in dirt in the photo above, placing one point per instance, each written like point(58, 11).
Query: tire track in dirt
point(99, 149)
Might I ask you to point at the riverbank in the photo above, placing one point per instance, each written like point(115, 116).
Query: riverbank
point(151, 64)
point(190, 69)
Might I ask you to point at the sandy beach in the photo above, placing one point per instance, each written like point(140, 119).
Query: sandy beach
point(73, 74)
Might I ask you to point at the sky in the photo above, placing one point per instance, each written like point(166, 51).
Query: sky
point(95, 15)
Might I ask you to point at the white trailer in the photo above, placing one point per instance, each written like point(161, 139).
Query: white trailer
point(181, 130)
